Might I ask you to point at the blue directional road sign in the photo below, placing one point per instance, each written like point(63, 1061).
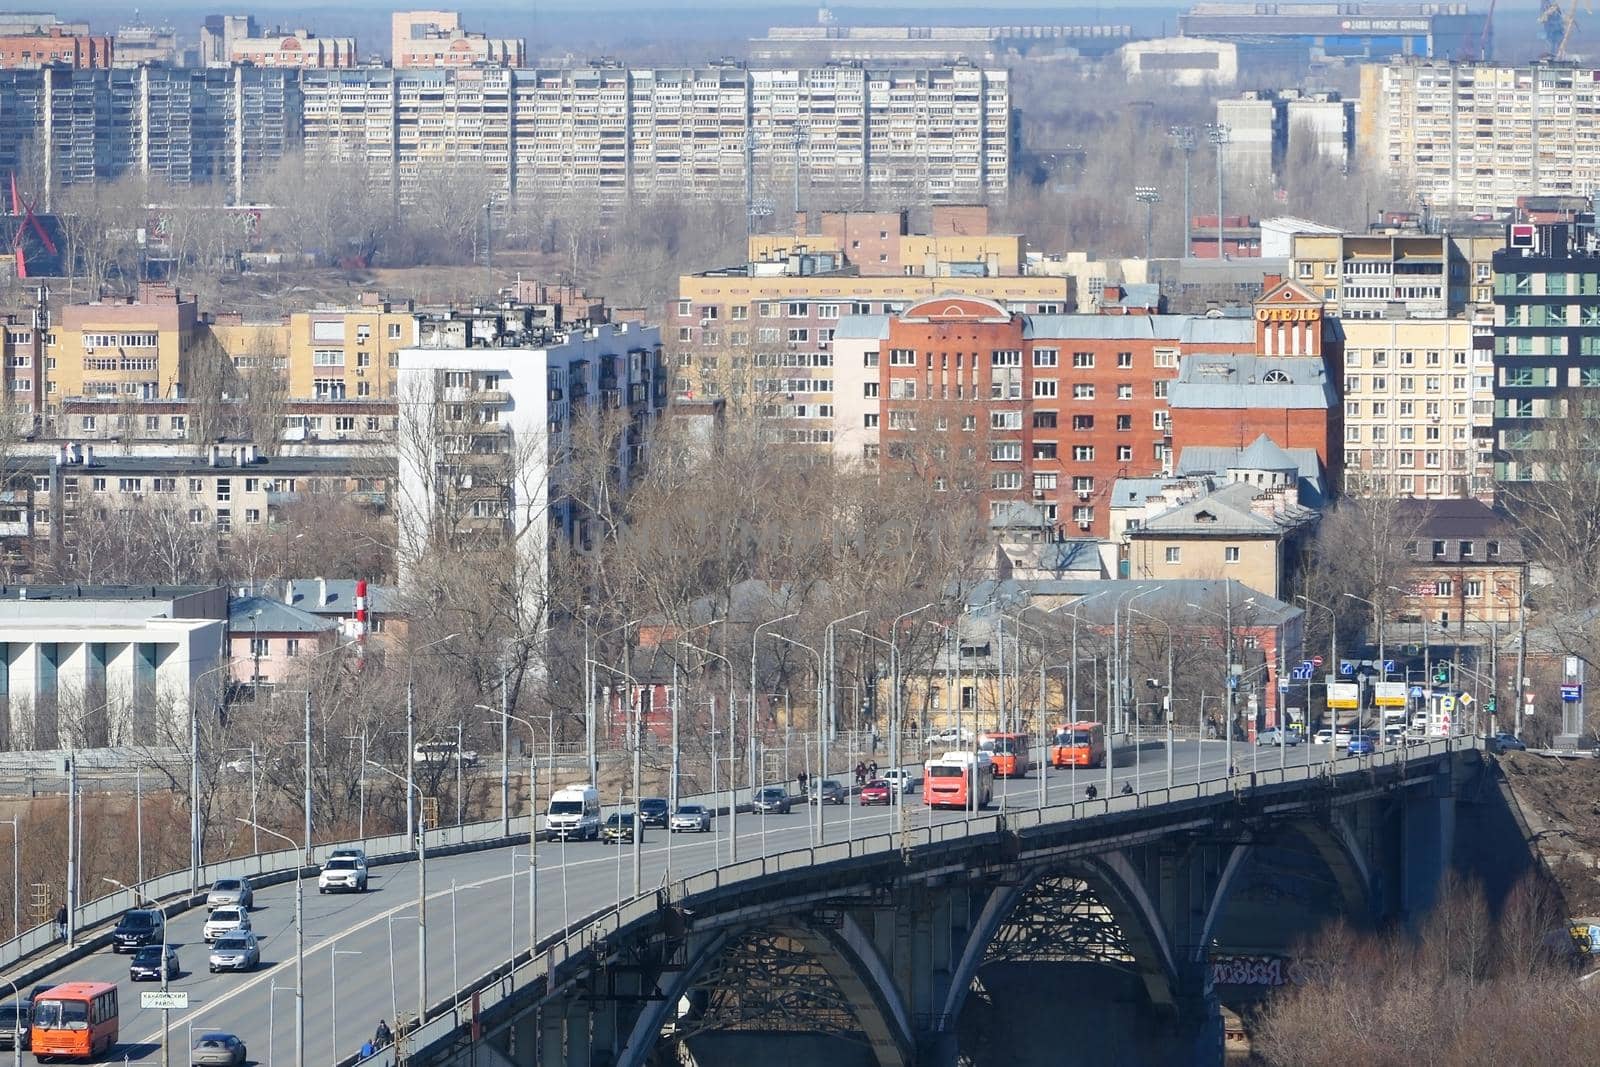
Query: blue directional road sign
point(1416, 692)
point(1571, 693)
point(1233, 681)
point(1388, 666)
point(1347, 666)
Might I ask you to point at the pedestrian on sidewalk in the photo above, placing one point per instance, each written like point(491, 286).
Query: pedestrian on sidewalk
point(803, 780)
point(61, 922)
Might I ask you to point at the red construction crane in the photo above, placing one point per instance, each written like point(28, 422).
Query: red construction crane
point(27, 221)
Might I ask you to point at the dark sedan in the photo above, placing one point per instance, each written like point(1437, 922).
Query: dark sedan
point(653, 811)
point(827, 791)
point(771, 801)
point(147, 963)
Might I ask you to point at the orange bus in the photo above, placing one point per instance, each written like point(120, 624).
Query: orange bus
point(75, 1021)
point(1010, 752)
point(956, 779)
point(1079, 744)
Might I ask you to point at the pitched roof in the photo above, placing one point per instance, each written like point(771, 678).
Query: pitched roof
point(1223, 512)
point(1217, 459)
point(1167, 598)
point(270, 615)
point(1265, 455)
point(1251, 381)
point(862, 327)
point(1222, 330)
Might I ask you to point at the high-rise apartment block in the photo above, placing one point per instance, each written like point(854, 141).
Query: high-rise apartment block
point(1470, 138)
point(437, 39)
point(1267, 127)
point(605, 132)
point(1546, 336)
point(1418, 369)
point(296, 48)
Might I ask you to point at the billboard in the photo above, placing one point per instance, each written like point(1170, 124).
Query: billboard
point(1390, 694)
point(1344, 695)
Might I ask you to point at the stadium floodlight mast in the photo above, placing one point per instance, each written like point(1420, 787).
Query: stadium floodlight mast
point(1217, 134)
point(1184, 141)
point(1149, 196)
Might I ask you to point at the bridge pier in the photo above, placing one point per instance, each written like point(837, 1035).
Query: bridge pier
point(1427, 829)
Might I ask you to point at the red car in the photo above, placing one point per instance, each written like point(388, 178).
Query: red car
point(875, 792)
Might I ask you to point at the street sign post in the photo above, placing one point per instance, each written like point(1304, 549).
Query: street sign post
point(164, 999)
point(1571, 693)
point(1345, 696)
point(1389, 694)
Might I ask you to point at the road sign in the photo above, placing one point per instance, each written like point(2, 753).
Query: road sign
point(1465, 699)
point(163, 998)
point(1389, 694)
point(1571, 693)
point(1388, 666)
point(1417, 693)
point(1344, 695)
point(1233, 681)
point(1347, 667)
point(1283, 685)
point(1316, 661)
point(1447, 703)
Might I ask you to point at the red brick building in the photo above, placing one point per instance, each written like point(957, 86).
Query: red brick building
point(79, 51)
point(1286, 387)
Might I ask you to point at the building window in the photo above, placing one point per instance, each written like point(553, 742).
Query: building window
point(1083, 360)
point(1124, 453)
point(870, 420)
point(1083, 391)
point(1046, 357)
point(1472, 588)
point(260, 646)
point(1083, 453)
point(1443, 587)
point(1083, 516)
point(1044, 388)
point(291, 646)
point(1124, 360)
point(1174, 554)
point(1046, 420)
point(1007, 480)
point(1005, 451)
point(1230, 554)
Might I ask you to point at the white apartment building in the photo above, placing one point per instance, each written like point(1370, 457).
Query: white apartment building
point(1418, 409)
point(857, 344)
point(93, 666)
point(611, 131)
point(1473, 137)
point(486, 421)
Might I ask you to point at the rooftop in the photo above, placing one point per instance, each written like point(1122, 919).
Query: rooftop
point(1251, 381)
point(263, 614)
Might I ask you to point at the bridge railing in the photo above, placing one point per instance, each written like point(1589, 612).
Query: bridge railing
point(447, 1018)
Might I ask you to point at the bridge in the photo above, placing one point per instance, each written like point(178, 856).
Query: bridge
point(909, 936)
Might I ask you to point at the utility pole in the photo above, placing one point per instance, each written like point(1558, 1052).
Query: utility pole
point(411, 750)
point(1183, 140)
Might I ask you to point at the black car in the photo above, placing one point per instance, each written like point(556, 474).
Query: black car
point(653, 811)
point(771, 801)
point(137, 928)
point(827, 791)
point(147, 963)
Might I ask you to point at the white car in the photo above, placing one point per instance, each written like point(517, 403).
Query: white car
point(693, 818)
point(224, 920)
point(343, 873)
point(899, 780)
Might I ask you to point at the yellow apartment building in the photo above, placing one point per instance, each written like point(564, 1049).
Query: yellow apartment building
point(130, 348)
point(327, 353)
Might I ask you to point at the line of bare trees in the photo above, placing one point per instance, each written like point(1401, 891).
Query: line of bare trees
point(1468, 988)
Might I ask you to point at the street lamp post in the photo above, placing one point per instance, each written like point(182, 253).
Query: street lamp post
point(1333, 667)
point(422, 894)
point(333, 1004)
point(533, 827)
point(895, 727)
point(1167, 697)
point(638, 743)
point(816, 828)
point(299, 951)
point(166, 1026)
point(733, 791)
point(411, 729)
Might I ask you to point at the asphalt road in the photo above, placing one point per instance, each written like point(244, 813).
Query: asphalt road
point(477, 915)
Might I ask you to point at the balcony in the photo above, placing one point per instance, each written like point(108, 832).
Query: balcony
point(491, 396)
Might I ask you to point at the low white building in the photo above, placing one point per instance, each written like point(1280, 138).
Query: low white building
point(91, 666)
point(1182, 61)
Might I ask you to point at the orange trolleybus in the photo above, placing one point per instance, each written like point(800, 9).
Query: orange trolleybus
point(1010, 752)
point(75, 1021)
point(1079, 744)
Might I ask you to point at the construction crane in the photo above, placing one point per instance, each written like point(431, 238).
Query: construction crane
point(27, 222)
point(1557, 26)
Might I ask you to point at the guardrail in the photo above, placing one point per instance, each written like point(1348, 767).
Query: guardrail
point(448, 1017)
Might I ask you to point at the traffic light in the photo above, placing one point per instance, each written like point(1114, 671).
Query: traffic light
point(1488, 705)
point(1441, 674)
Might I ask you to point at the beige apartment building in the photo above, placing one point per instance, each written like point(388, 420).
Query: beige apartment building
point(1367, 275)
point(438, 39)
point(1418, 409)
point(332, 353)
point(133, 348)
point(1471, 138)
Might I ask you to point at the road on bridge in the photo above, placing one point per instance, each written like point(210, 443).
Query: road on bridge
point(478, 917)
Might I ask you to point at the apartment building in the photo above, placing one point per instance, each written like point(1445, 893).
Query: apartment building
point(1466, 583)
point(1268, 126)
point(1546, 335)
point(218, 34)
point(438, 39)
point(327, 353)
point(184, 126)
point(1471, 138)
point(55, 45)
point(294, 48)
point(608, 132)
point(22, 353)
point(1395, 273)
point(131, 348)
point(762, 335)
point(880, 243)
point(489, 419)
